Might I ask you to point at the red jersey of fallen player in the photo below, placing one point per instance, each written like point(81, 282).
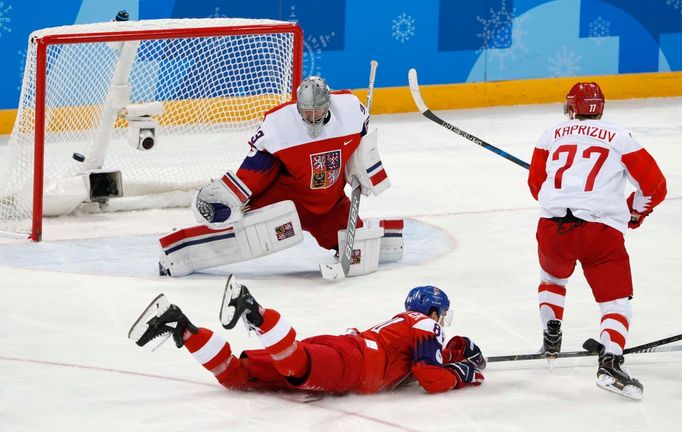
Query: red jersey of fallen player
point(405, 348)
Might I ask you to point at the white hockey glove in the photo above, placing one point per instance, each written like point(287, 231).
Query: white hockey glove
point(221, 203)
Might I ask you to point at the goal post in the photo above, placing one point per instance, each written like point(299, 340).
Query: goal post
point(139, 112)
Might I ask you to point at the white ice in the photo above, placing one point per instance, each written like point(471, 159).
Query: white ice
point(67, 303)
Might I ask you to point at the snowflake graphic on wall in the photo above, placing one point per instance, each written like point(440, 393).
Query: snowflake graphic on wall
point(312, 48)
point(564, 63)
point(599, 29)
point(676, 4)
point(5, 20)
point(217, 14)
point(403, 27)
point(312, 54)
point(502, 34)
point(497, 29)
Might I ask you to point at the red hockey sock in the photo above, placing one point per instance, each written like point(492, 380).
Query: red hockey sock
point(279, 339)
point(551, 298)
point(615, 324)
point(212, 352)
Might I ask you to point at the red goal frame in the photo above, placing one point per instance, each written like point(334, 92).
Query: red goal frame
point(42, 44)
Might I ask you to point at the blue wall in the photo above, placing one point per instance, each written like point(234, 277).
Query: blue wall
point(448, 41)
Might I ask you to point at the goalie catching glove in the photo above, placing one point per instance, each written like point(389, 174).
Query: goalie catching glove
point(222, 202)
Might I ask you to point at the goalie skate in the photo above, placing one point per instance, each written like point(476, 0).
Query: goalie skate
point(155, 309)
point(612, 378)
point(238, 303)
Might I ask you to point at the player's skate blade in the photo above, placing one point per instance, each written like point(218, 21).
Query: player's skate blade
point(227, 311)
point(155, 309)
point(239, 303)
point(608, 383)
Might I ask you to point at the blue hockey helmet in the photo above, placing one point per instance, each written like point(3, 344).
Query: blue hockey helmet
point(427, 298)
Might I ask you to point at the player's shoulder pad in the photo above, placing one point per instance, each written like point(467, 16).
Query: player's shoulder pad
point(341, 92)
point(420, 321)
point(278, 108)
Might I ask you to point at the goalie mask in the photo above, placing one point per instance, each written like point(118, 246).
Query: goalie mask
point(427, 299)
point(312, 102)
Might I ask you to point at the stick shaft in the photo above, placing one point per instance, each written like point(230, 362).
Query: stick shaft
point(651, 347)
point(426, 112)
point(347, 253)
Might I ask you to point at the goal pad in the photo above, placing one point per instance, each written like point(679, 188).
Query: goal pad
point(139, 111)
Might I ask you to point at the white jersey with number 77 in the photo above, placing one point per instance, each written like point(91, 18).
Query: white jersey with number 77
point(582, 165)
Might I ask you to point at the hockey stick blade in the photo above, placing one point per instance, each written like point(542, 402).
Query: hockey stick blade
point(426, 112)
point(332, 271)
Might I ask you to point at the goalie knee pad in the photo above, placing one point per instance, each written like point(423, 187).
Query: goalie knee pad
point(392, 244)
point(261, 232)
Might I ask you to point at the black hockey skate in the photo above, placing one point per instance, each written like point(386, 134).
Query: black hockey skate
point(238, 302)
point(551, 340)
point(612, 378)
point(160, 320)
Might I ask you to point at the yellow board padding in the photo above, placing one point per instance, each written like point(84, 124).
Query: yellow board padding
point(7, 118)
point(388, 100)
point(245, 109)
point(521, 92)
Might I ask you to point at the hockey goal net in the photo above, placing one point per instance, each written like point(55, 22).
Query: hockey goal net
point(198, 86)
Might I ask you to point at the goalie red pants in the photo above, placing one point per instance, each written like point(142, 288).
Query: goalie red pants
point(324, 227)
point(336, 364)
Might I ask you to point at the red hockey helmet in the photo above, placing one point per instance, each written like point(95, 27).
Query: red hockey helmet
point(585, 98)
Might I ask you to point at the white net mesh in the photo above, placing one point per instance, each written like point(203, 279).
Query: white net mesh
point(214, 92)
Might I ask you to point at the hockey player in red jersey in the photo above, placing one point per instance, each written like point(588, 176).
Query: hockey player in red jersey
point(407, 347)
point(304, 152)
point(578, 174)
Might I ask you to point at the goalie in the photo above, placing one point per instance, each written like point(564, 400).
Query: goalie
point(291, 180)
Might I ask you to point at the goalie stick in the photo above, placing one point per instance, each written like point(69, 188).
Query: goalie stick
point(426, 112)
point(592, 349)
point(340, 270)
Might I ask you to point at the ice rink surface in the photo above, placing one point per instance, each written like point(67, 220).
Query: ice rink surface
point(67, 303)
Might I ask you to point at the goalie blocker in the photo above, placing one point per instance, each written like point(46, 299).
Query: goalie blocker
point(260, 232)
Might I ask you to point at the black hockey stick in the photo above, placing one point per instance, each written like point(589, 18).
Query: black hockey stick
point(426, 112)
point(340, 270)
point(594, 346)
point(592, 349)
